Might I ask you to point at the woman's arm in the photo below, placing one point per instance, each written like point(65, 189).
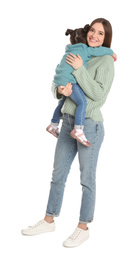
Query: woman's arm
point(54, 91)
point(58, 92)
point(97, 85)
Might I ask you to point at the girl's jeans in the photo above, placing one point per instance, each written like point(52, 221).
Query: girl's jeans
point(79, 99)
point(65, 152)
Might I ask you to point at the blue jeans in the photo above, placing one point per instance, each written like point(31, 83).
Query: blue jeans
point(79, 99)
point(66, 150)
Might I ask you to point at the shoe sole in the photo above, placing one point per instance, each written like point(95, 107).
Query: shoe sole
point(34, 234)
point(70, 246)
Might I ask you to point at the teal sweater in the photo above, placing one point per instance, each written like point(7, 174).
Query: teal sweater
point(95, 80)
point(63, 72)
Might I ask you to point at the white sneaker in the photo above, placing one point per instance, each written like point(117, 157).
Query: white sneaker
point(39, 228)
point(77, 238)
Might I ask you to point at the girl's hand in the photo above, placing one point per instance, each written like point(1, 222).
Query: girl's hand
point(114, 56)
point(66, 91)
point(75, 61)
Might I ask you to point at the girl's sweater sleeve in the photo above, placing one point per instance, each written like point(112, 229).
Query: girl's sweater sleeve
point(95, 87)
point(99, 51)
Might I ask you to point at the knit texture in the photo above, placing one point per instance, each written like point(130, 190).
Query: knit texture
point(95, 80)
point(63, 72)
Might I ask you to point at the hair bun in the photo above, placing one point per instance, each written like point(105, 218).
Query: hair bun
point(86, 27)
point(69, 31)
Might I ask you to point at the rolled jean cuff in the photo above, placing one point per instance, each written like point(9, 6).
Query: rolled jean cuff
point(51, 215)
point(79, 127)
point(85, 222)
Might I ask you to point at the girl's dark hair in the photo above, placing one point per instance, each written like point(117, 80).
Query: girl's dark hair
point(78, 35)
point(108, 30)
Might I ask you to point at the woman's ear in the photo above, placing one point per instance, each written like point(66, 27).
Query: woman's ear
point(86, 27)
point(69, 31)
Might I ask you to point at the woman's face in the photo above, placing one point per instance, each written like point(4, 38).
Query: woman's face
point(96, 35)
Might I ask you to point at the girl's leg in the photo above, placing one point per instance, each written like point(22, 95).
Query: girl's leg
point(79, 99)
point(57, 113)
point(53, 127)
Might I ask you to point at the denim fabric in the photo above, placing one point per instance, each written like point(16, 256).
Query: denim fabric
point(57, 112)
point(79, 99)
point(65, 152)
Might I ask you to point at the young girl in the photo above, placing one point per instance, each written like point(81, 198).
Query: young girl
point(64, 75)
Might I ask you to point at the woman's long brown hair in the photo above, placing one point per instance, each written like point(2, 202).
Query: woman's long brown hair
point(108, 30)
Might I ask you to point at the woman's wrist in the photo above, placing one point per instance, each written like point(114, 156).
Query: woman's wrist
point(66, 91)
point(77, 71)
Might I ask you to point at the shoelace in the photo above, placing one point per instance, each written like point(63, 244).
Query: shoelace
point(38, 224)
point(75, 234)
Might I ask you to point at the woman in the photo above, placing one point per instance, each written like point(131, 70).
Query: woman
point(95, 81)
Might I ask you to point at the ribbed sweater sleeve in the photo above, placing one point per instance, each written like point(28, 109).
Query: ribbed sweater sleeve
point(96, 85)
point(95, 80)
point(54, 92)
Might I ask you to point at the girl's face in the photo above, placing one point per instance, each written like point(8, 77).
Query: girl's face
point(96, 35)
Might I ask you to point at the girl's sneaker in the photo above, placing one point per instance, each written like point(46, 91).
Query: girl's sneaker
point(53, 131)
point(80, 137)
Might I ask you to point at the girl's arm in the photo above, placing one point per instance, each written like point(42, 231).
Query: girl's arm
point(99, 51)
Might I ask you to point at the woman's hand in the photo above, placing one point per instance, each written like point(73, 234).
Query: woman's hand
point(75, 61)
point(66, 91)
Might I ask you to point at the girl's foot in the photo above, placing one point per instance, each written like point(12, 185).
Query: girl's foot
point(80, 137)
point(52, 130)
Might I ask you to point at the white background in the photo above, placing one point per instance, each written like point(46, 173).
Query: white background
point(32, 42)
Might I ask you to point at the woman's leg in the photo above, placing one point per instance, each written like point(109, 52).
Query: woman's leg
point(66, 150)
point(88, 162)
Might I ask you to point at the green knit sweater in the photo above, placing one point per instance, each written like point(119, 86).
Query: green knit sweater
point(95, 80)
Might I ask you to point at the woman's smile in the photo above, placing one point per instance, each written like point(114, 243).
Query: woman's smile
point(96, 35)
point(93, 40)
